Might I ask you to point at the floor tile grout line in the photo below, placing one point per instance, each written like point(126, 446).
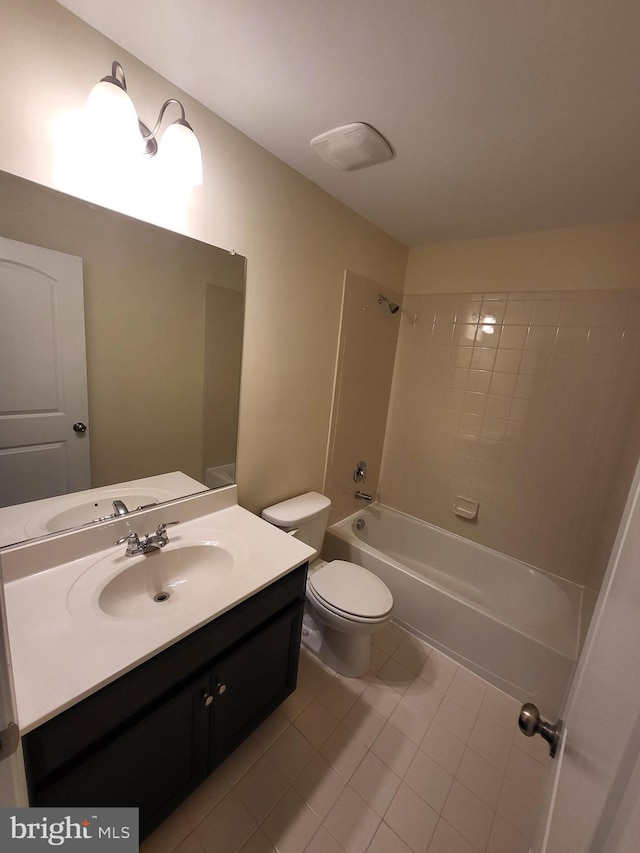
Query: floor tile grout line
point(317, 678)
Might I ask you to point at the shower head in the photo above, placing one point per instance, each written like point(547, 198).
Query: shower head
point(392, 305)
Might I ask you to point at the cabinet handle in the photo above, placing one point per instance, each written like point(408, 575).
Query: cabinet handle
point(208, 699)
point(221, 688)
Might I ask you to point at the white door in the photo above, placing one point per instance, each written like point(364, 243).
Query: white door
point(594, 795)
point(43, 378)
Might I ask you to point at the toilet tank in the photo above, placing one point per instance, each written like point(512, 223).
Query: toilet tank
point(306, 514)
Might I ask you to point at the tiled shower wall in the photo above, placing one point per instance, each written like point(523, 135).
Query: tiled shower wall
point(522, 402)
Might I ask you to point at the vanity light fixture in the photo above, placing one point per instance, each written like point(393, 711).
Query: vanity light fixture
point(113, 118)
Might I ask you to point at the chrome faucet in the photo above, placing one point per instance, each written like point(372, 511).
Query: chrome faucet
point(363, 496)
point(119, 508)
point(136, 546)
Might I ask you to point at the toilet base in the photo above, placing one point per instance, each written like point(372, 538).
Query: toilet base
point(347, 654)
point(311, 632)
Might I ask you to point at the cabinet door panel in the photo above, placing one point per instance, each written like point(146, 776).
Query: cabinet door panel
point(153, 765)
point(251, 682)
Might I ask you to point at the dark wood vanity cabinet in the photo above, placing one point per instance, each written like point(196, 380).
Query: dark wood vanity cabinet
point(151, 737)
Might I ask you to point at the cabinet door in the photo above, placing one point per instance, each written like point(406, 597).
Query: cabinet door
point(252, 681)
point(153, 765)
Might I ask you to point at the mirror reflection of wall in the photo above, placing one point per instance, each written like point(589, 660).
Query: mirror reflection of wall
point(163, 319)
point(223, 324)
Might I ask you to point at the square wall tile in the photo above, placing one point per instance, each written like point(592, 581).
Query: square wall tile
point(547, 391)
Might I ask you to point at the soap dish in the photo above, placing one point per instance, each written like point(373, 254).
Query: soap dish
point(465, 508)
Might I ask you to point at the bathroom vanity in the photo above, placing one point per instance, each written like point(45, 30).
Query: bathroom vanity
point(153, 736)
point(138, 708)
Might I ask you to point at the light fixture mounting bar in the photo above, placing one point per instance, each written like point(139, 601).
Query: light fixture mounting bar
point(113, 77)
point(149, 136)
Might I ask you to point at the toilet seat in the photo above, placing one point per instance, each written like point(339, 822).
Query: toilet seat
point(350, 591)
point(342, 617)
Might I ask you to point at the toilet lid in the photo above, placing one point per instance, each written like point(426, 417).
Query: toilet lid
point(352, 589)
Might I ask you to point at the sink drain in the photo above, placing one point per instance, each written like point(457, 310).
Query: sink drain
point(162, 596)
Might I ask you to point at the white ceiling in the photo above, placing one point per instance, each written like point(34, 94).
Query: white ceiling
point(505, 115)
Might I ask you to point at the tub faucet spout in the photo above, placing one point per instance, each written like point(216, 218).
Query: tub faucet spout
point(363, 496)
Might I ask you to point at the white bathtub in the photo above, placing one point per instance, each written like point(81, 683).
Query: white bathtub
point(515, 626)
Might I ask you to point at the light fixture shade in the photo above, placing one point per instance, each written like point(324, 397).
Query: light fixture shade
point(112, 118)
point(180, 154)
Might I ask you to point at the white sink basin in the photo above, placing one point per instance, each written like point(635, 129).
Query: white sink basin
point(97, 510)
point(184, 576)
point(53, 515)
point(154, 584)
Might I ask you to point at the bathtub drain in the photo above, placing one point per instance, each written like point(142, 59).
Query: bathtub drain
point(360, 523)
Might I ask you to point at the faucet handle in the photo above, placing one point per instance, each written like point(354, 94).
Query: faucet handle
point(163, 526)
point(130, 539)
point(134, 546)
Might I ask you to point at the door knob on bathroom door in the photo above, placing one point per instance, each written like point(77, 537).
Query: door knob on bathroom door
point(531, 723)
point(79, 427)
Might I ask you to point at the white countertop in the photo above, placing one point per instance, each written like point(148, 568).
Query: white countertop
point(59, 658)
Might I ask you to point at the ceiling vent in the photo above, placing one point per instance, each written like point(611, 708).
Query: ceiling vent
point(352, 146)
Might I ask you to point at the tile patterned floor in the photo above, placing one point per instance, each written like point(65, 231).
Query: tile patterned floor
point(418, 756)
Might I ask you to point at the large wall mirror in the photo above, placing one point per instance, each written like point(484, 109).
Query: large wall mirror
point(163, 324)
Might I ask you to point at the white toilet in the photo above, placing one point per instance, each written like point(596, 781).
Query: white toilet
point(345, 602)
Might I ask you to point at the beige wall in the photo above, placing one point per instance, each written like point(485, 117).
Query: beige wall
point(585, 258)
point(368, 337)
point(224, 324)
point(297, 239)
